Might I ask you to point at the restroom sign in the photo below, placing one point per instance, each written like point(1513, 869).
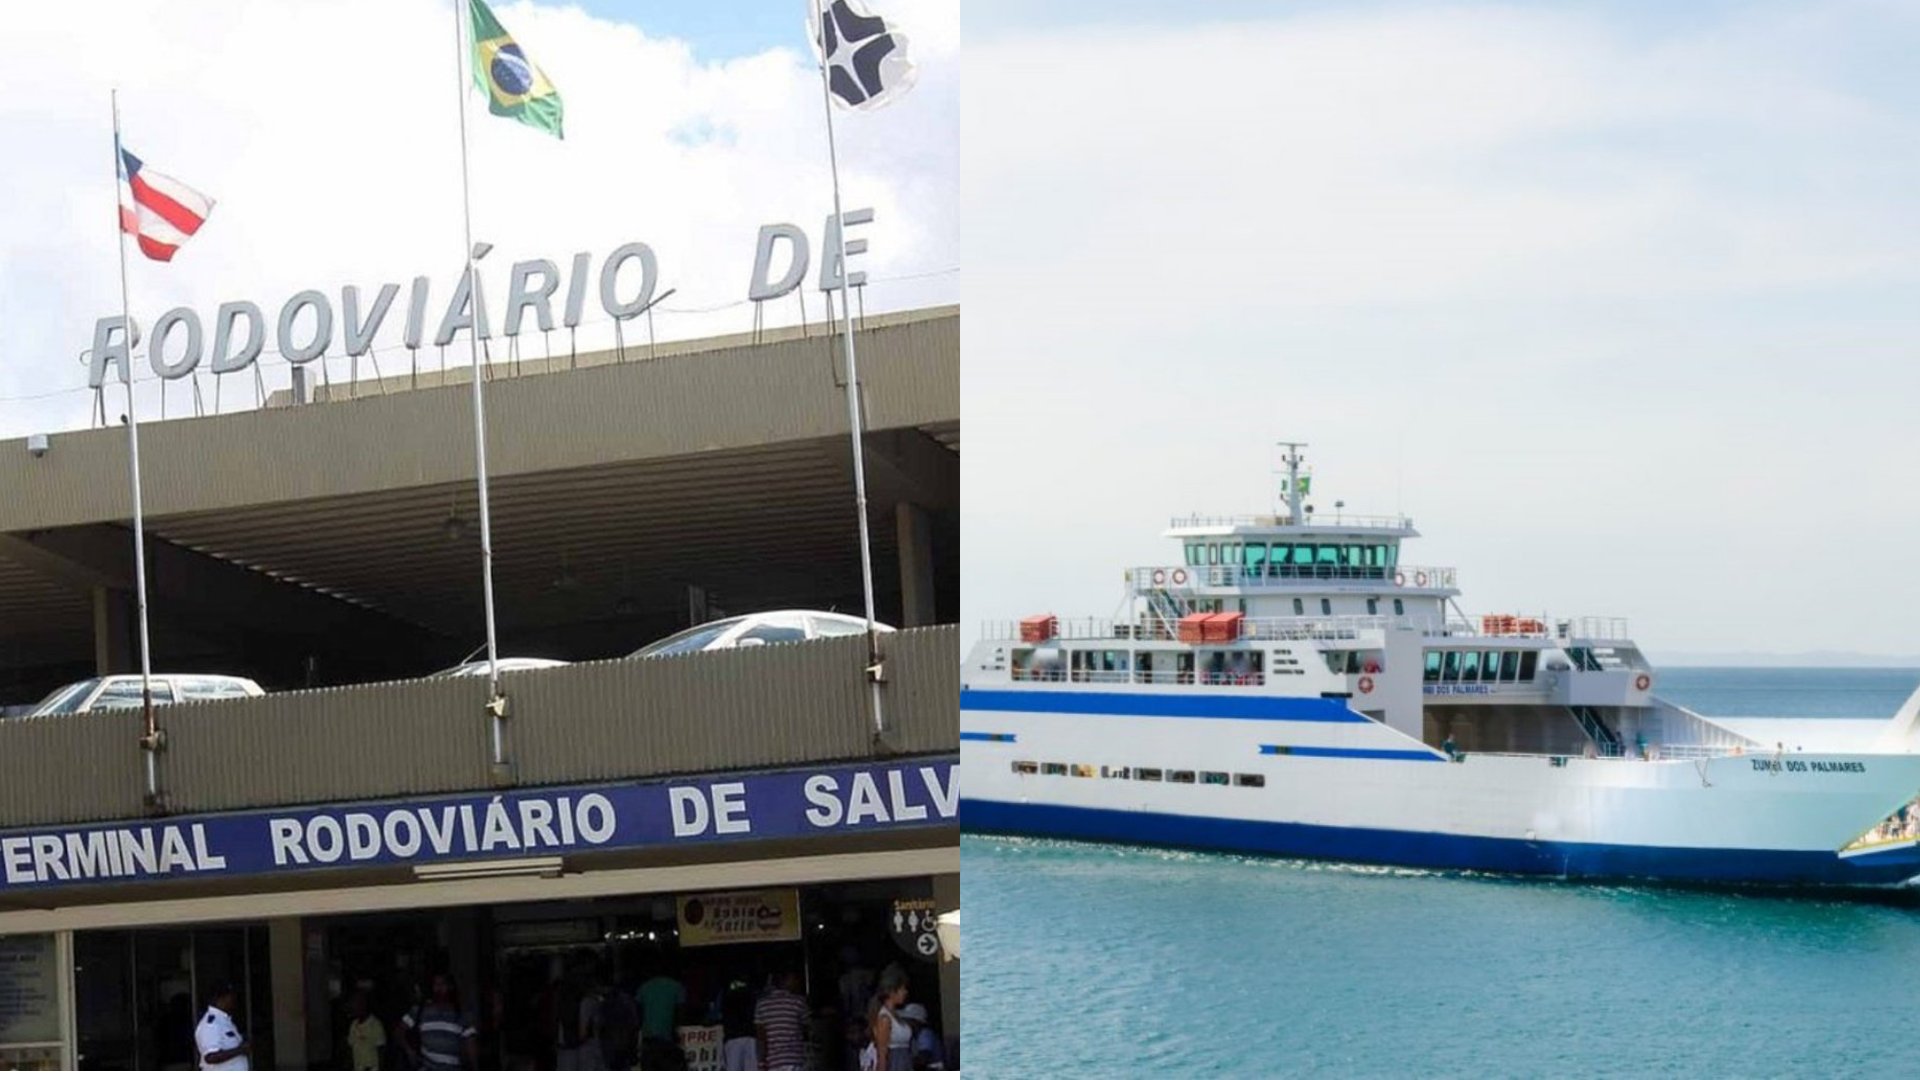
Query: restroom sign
point(915, 929)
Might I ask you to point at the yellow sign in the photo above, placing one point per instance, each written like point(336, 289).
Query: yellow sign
point(734, 917)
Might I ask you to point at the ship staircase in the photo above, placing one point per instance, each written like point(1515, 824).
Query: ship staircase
point(1163, 609)
point(1597, 730)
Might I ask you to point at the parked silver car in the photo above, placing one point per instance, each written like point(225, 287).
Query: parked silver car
point(765, 628)
point(507, 663)
point(123, 692)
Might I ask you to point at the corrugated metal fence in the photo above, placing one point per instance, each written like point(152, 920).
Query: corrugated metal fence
point(738, 709)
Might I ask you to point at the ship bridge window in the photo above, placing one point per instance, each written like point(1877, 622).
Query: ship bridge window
point(1527, 662)
point(1152, 775)
point(1431, 672)
point(1450, 670)
point(1509, 666)
point(1249, 779)
point(1193, 553)
point(1180, 776)
point(1026, 768)
point(1469, 666)
point(1256, 557)
point(1213, 554)
point(1053, 768)
point(1214, 778)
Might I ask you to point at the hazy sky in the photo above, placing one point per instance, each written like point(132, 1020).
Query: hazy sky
point(1621, 304)
point(327, 134)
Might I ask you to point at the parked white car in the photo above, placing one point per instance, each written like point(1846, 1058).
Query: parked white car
point(507, 663)
point(123, 692)
point(765, 628)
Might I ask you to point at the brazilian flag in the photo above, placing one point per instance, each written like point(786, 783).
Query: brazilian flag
point(514, 87)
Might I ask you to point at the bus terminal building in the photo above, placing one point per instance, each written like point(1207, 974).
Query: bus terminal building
point(713, 817)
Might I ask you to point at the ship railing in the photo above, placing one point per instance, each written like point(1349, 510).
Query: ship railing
point(1160, 628)
point(1276, 575)
point(1153, 627)
point(1137, 677)
point(1339, 519)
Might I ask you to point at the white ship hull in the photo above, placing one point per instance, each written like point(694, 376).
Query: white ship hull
point(1335, 784)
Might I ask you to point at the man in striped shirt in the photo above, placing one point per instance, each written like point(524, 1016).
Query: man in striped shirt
point(440, 1034)
point(780, 1020)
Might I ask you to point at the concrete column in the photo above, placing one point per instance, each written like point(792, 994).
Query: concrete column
point(460, 936)
point(946, 897)
point(914, 533)
point(114, 632)
point(286, 963)
point(317, 978)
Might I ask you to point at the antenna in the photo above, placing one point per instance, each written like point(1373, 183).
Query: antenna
point(1292, 459)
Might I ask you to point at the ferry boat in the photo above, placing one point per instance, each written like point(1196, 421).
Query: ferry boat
point(1290, 686)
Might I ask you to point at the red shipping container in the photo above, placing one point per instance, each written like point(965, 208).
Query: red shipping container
point(1222, 627)
point(1039, 628)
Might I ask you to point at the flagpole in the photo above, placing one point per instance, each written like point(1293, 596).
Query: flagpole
point(853, 381)
point(494, 707)
point(151, 739)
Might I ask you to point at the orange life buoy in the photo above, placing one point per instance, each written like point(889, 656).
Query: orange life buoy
point(1643, 681)
point(1420, 578)
point(1159, 577)
point(1179, 577)
point(1366, 684)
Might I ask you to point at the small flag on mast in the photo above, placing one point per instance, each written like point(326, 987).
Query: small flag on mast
point(515, 88)
point(867, 65)
point(157, 209)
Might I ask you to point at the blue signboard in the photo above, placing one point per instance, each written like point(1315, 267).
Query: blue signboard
point(504, 825)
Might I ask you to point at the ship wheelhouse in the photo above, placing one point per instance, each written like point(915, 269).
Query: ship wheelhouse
point(1324, 605)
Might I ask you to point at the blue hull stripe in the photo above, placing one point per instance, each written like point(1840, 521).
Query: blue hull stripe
point(1438, 851)
point(1184, 706)
point(1353, 752)
point(987, 736)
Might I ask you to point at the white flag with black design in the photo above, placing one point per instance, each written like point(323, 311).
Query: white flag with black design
point(866, 60)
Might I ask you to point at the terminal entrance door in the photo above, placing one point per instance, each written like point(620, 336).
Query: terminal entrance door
point(138, 994)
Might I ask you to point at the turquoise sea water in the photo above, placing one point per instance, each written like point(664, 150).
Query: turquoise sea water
point(1085, 960)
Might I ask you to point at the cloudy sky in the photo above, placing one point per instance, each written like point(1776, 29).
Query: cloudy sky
point(1621, 302)
point(326, 130)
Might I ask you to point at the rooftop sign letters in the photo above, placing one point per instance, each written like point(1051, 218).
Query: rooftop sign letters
point(304, 329)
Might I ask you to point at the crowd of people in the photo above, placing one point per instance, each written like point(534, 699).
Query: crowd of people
point(587, 1019)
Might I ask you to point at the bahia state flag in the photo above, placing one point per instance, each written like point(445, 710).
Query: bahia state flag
point(514, 86)
point(156, 209)
point(867, 65)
